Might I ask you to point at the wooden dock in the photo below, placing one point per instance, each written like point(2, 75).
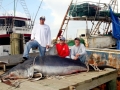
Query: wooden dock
point(80, 81)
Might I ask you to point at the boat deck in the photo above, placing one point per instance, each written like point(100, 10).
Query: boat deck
point(80, 81)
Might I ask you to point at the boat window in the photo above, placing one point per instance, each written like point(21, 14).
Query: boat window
point(2, 22)
point(4, 40)
point(19, 23)
point(82, 35)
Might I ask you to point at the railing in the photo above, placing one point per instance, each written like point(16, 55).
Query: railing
point(21, 30)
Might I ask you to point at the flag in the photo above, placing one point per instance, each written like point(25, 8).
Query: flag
point(115, 27)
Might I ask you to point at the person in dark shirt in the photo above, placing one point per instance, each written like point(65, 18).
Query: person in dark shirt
point(110, 33)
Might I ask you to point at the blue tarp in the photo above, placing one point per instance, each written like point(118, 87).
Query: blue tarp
point(116, 27)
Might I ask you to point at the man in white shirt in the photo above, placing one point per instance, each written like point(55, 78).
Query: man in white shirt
point(40, 37)
point(78, 51)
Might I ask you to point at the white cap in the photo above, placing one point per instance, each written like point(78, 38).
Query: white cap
point(42, 17)
point(62, 38)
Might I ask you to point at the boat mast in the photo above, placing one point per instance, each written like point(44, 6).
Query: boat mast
point(14, 8)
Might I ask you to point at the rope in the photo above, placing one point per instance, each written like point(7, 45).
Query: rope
point(34, 60)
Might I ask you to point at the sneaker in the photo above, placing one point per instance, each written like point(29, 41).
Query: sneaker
point(25, 58)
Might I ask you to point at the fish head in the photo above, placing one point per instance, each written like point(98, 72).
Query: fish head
point(9, 79)
point(20, 71)
point(15, 73)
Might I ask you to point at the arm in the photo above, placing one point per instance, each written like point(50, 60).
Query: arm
point(67, 50)
point(83, 50)
point(55, 50)
point(49, 37)
point(33, 33)
point(72, 53)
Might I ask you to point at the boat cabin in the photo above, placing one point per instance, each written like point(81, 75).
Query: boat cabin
point(11, 24)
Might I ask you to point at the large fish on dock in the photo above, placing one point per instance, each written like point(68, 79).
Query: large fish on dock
point(47, 66)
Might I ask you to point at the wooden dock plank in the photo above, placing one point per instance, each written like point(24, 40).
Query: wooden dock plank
point(96, 82)
point(54, 83)
point(85, 77)
point(81, 81)
point(26, 85)
point(4, 86)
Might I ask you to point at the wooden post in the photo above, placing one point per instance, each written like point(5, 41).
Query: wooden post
point(15, 43)
point(11, 44)
point(3, 64)
point(21, 44)
point(111, 85)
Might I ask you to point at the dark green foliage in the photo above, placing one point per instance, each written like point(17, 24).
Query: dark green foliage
point(71, 42)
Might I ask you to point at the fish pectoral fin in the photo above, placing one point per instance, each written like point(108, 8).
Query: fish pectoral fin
point(36, 77)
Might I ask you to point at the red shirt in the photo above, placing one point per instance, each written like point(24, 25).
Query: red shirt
point(62, 50)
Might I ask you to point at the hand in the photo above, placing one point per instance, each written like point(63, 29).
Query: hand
point(77, 55)
point(31, 39)
point(75, 58)
point(47, 46)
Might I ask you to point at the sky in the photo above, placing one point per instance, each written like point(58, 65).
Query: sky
point(53, 10)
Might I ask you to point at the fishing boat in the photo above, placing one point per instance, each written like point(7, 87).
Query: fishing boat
point(19, 25)
point(11, 24)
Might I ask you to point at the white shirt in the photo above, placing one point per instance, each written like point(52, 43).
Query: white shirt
point(80, 49)
point(42, 34)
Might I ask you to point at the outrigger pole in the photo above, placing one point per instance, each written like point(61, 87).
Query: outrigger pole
point(14, 8)
point(37, 11)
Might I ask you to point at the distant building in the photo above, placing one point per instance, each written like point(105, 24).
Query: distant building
point(83, 33)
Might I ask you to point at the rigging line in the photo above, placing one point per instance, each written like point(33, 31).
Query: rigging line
point(4, 9)
point(114, 21)
point(97, 11)
point(9, 4)
point(37, 11)
point(6, 6)
point(74, 8)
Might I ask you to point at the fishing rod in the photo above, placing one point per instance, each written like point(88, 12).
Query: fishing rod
point(37, 11)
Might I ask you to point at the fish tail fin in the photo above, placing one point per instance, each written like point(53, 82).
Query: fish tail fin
point(91, 68)
point(105, 66)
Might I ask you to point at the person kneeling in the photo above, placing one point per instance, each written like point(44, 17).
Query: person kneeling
point(78, 51)
point(62, 49)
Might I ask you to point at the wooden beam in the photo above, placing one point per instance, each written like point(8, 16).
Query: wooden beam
point(98, 27)
point(108, 19)
point(111, 85)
